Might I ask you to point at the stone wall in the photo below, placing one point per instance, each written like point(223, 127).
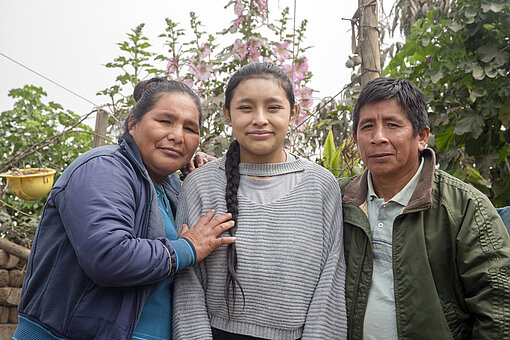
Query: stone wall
point(11, 280)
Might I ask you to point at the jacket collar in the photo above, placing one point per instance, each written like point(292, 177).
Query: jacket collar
point(130, 149)
point(356, 191)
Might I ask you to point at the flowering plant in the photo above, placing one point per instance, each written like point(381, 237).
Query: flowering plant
point(205, 65)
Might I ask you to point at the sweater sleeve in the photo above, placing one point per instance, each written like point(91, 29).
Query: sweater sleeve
point(484, 266)
point(98, 211)
point(327, 317)
point(190, 318)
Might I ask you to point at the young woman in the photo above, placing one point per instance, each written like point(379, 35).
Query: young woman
point(106, 242)
point(284, 277)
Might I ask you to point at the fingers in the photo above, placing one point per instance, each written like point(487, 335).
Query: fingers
point(191, 165)
point(207, 217)
point(224, 241)
point(199, 159)
point(185, 171)
point(222, 227)
point(204, 234)
point(220, 219)
point(185, 228)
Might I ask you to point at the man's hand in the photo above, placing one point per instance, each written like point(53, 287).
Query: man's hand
point(199, 160)
point(204, 235)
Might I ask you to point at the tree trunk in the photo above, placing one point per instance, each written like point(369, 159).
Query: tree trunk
point(369, 41)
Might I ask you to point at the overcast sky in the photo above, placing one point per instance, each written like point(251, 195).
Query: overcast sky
point(69, 41)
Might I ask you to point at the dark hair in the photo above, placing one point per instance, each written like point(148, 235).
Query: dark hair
point(148, 92)
point(410, 98)
point(233, 158)
point(260, 70)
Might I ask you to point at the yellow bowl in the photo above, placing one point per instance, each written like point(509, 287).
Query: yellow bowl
point(30, 184)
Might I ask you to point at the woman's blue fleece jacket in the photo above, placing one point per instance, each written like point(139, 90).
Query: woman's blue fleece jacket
point(100, 248)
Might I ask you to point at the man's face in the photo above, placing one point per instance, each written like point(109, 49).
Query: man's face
point(386, 142)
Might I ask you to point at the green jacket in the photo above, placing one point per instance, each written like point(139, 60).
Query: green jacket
point(451, 260)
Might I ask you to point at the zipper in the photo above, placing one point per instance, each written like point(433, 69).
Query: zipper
point(355, 298)
point(399, 218)
point(137, 314)
point(145, 226)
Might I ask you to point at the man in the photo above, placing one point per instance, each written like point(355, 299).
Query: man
point(427, 255)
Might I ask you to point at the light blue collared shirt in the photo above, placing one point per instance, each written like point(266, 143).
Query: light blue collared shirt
point(380, 318)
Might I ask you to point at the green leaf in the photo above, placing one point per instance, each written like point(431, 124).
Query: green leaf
point(437, 76)
point(470, 12)
point(487, 53)
point(469, 123)
point(329, 150)
point(476, 70)
point(492, 6)
point(455, 26)
point(444, 139)
point(490, 72)
point(504, 113)
point(501, 189)
point(334, 163)
point(476, 93)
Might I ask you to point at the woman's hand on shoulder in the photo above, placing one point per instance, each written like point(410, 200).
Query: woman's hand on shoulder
point(198, 161)
point(204, 235)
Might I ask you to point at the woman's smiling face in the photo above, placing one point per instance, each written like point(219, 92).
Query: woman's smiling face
point(260, 114)
point(168, 135)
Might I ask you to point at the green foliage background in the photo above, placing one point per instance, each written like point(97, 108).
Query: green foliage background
point(35, 132)
point(460, 57)
point(462, 62)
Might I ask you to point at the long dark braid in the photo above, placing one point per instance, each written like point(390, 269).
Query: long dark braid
point(233, 176)
point(250, 71)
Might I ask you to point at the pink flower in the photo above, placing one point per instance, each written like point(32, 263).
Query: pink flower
point(297, 72)
point(300, 69)
point(282, 51)
point(261, 5)
point(239, 20)
point(268, 60)
point(238, 8)
point(304, 95)
point(187, 81)
point(172, 66)
point(287, 69)
point(240, 49)
point(299, 124)
point(202, 71)
point(254, 51)
point(205, 50)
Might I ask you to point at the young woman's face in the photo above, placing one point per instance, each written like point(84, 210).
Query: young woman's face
point(168, 135)
point(260, 114)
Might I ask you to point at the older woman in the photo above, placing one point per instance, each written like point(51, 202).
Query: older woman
point(106, 244)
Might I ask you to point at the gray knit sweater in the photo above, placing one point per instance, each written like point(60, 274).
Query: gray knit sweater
point(290, 259)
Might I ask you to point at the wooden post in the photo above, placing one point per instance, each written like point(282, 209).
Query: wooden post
point(100, 130)
point(369, 41)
